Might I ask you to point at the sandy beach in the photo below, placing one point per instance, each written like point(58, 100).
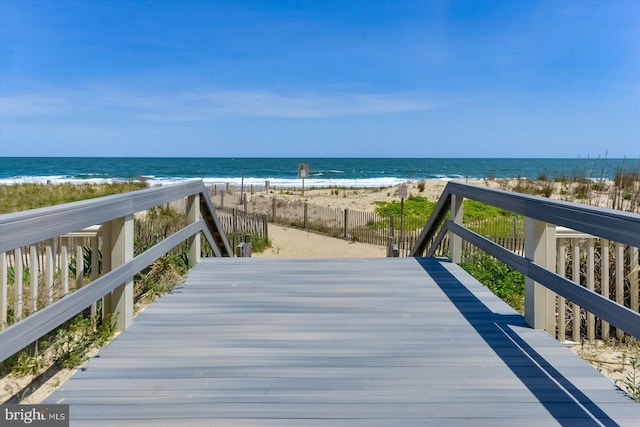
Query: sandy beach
point(287, 242)
point(296, 243)
point(362, 199)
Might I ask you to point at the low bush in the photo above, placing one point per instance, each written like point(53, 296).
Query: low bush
point(505, 282)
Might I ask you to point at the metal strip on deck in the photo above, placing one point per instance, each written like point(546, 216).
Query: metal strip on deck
point(337, 342)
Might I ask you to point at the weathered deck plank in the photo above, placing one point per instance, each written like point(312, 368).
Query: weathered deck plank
point(266, 342)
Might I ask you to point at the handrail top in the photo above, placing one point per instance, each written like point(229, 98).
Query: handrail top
point(103, 201)
point(616, 225)
point(36, 225)
point(611, 224)
point(545, 200)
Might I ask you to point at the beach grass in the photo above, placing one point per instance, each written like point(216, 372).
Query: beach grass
point(21, 197)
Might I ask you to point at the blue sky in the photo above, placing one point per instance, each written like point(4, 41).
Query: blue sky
point(326, 78)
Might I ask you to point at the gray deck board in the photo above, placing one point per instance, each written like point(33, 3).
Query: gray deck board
point(364, 342)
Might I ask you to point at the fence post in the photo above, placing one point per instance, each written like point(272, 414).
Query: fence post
point(455, 242)
point(392, 227)
point(265, 227)
point(346, 224)
point(305, 217)
point(273, 209)
point(539, 302)
point(392, 248)
point(221, 199)
point(120, 303)
point(193, 215)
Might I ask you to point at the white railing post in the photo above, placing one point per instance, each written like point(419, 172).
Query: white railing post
point(95, 267)
point(540, 247)
point(455, 242)
point(105, 232)
point(120, 239)
point(193, 215)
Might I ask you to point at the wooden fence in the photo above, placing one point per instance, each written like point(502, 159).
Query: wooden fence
point(237, 225)
point(360, 226)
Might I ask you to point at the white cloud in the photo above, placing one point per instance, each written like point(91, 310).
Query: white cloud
point(212, 105)
point(304, 105)
point(33, 105)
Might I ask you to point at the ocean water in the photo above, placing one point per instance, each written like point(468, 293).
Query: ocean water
point(282, 172)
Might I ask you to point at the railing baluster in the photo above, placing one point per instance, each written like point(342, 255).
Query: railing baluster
point(18, 274)
point(575, 276)
point(33, 276)
point(49, 268)
point(64, 267)
point(604, 282)
point(79, 267)
point(619, 282)
point(561, 251)
point(591, 320)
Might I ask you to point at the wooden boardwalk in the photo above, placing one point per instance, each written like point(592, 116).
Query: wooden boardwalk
point(337, 342)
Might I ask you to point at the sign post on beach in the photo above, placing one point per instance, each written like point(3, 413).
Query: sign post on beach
point(303, 172)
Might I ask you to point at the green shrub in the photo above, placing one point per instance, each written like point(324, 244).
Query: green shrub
point(502, 280)
point(414, 206)
point(474, 210)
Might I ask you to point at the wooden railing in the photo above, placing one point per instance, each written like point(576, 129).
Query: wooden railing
point(545, 290)
point(111, 222)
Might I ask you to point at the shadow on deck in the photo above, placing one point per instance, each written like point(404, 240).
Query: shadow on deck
point(357, 342)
